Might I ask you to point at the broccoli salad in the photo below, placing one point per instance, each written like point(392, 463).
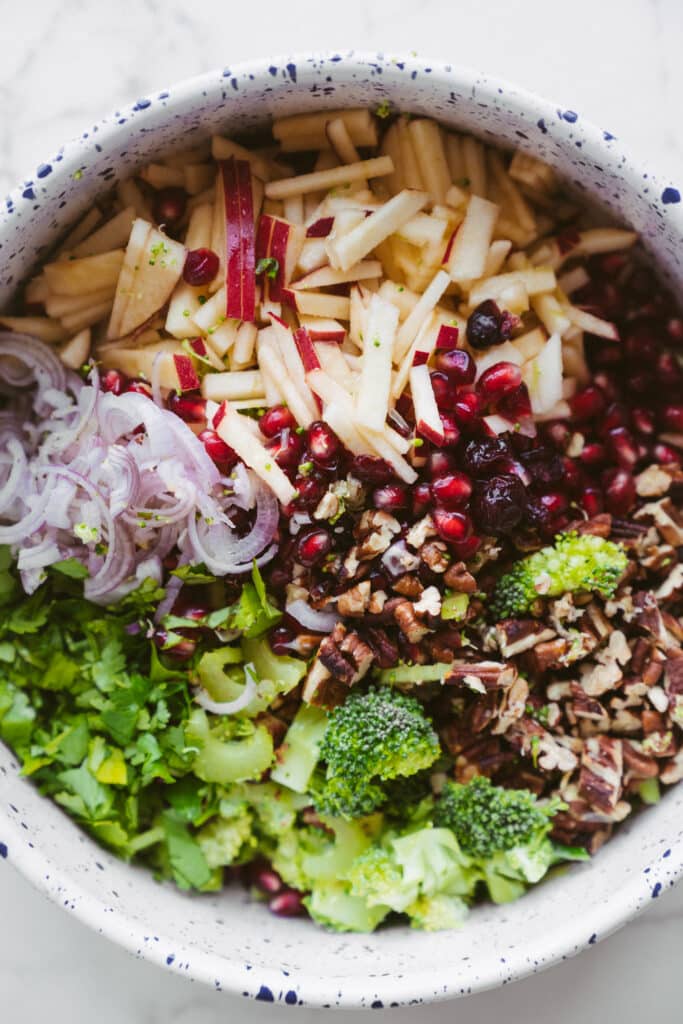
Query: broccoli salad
point(340, 518)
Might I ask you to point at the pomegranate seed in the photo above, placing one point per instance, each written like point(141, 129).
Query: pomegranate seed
point(451, 431)
point(464, 550)
point(275, 420)
point(139, 387)
point(668, 369)
point(640, 342)
point(218, 450)
point(587, 403)
point(499, 503)
point(280, 640)
point(482, 456)
point(170, 205)
point(422, 498)
point(554, 502)
point(592, 500)
point(444, 390)
point(457, 364)
point(557, 432)
point(608, 385)
point(440, 463)
point(452, 526)
point(312, 546)
point(516, 405)
point(600, 298)
point(201, 266)
point(664, 453)
point(287, 904)
point(672, 417)
point(467, 408)
point(617, 415)
point(452, 490)
point(641, 382)
point(371, 470)
point(287, 449)
point(391, 497)
point(623, 447)
point(604, 354)
point(268, 881)
point(487, 325)
point(310, 491)
point(190, 408)
point(643, 420)
point(114, 382)
point(571, 475)
point(594, 454)
point(499, 380)
point(612, 262)
point(620, 491)
point(322, 443)
point(674, 329)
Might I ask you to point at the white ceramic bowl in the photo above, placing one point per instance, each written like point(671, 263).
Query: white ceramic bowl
point(224, 940)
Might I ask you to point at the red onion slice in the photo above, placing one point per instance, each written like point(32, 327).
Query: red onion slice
point(309, 618)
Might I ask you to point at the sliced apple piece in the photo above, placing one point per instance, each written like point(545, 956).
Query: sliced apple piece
point(372, 230)
point(427, 418)
point(76, 352)
point(323, 328)
point(431, 157)
point(112, 235)
point(139, 235)
point(372, 400)
point(88, 274)
point(306, 349)
point(424, 306)
point(92, 314)
point(332, 361)
point(63, 305)
point(232, 429)
point(242, 353)
point(226, 149)
point(530, 344)
point(543, 376)
point(307, 131)
point(328, 277)
point(335, 307)
point(470, 248)
point(593, 324)
point(282, 242)
point(41, 327)
point(551, 313)
point(156, 268)
point(243, 384)
point(188, 378)
point(318, 181)
point(139, 362)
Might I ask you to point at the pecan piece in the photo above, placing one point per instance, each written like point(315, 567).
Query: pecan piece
point(517, 635)
point(354, 602)
point(420, 531)
point(460, 580)
point(408, 586)
point(600, 777)
point(434, 554)
point(385, 650)
point(667, 518)
point(653, 482)
point(409, 623)
point(374, 533)
point(342, 660)
point(493, 675)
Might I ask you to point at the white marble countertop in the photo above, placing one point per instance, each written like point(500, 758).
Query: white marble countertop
point(64, 64)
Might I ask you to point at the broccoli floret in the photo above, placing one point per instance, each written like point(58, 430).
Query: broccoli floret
point(437, 913)
point(223, 840)
point(332, 906)
point(487, 819)
point(370, 739)
point(575, 563)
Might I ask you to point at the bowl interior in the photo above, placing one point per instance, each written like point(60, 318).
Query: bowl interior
point(218, 939)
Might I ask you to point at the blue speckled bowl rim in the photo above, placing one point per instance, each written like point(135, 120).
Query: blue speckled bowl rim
point(306, 989)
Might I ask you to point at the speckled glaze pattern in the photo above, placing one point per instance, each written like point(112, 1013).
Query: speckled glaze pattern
point(222, 940)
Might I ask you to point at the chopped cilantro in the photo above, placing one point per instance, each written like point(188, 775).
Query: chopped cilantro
point(268, 266)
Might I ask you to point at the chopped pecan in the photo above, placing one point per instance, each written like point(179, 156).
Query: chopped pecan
point(328, 506)
point(513, 705)
point(377, 601)
point(420, 531)
point(355, 601)
point(409, 623)
point(673, 673)
point(648, 617)
point(494, 675)
point(374, 533)
point(435, 556)
point(600, 777)
point(517, 635)
point(429, 603)
point(558, 653)
point(667, 518)
point(672, 585)
point(408, 586)
point(673, 626)
point(342, 660)
point(653, 482)
point(659, 744)
point(673, 770)
point(598, 526)
point(460, 580)
point(551, 753)
point(637, 764)
point(386, 652)
point(597, 678)
point(583, 706)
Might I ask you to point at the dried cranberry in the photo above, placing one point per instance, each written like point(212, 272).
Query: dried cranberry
point(545, 466)
point(275, 420)
point(487, 326)
point(170, 205)
point(452, 526)
point(201, 266)
point(190, 408)
point(457, 364)
point(322, 443)
point(218, 450)
point(498, 504)
point(516, 404)
point(114, 382)
point(499, 380)
point(482, 456)
point(464, 550)
point(313, 545)
point(371, 470)
point(390, 497)
point(452, 490)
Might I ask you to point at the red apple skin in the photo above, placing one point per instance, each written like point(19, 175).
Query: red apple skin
point(429, 434)
point(334, 337)
point(420, 357)
point(240, 258)
point(279, 240)
point(449, 246)
point(219, 415)
point(187, 375)
point(447, 336)
point(309, 356)
point(197, 345)
point(320, 228)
